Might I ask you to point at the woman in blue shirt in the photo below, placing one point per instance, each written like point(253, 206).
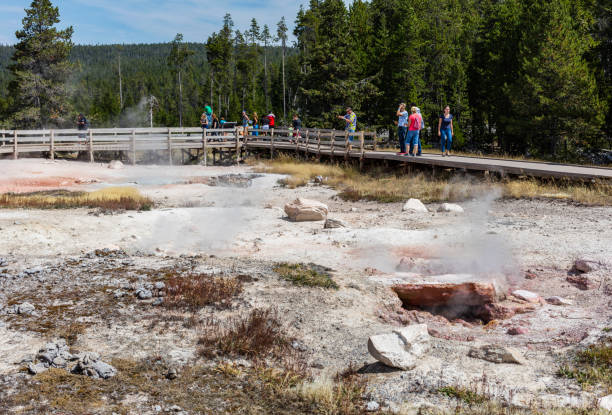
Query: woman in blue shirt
point(445, 131)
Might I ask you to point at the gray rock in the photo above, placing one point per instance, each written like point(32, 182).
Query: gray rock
point(158, 301)
point(450, 207)
point(144, 294)
point(585, 265)
point(23, 308)
point(372, 406)
point(104, 370)
point(36, 369)
point(495, 354)
point(171, 374)
point(32, 271)
point(559, 301)
point(160, 285)
point(334, 224)
point(59, 362)
point(526, 295)
point(414, 205)
point(119, 293)
point(605, 403)
point(401, 348)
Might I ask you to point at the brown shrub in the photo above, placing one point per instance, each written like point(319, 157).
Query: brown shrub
point(193, 292)
point(256, 334)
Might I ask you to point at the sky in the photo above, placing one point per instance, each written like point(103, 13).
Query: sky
point(150, 21)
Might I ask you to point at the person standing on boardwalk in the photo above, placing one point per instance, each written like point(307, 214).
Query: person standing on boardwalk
point(81, 125)
point(402, 127)
point(445, 131)
point(351, 121)
point(418, 111)
point(271, 119)
point(415, 121)
point(255, 124)
point(297, 126)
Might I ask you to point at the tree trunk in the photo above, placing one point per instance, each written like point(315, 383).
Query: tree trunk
point(284, 95)
point(180, 99)
point(266, 74)
point(120, 85)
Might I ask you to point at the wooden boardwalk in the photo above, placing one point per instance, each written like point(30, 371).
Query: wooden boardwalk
point(233, 143)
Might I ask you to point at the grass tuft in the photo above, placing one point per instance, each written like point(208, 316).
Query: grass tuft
point(192, 292)
point(257, 334)
point(305, 275)
point(591, 367)
point(464, 395)
point(112, 198)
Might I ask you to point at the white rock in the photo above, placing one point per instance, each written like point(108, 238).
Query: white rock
point(558, 301)
point(25, 308)
point(605, 403)
point(496, 354)
point(414, 205)
point(333, 224)
point(402, 348)
point(301, 210)
point(526, 295)
point(115, 164)
point(450, 207)
point(372, 406)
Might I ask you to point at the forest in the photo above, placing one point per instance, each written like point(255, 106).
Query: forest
point(527, 77)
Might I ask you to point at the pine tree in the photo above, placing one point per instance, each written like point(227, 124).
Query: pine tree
point(282, 36)
point(554, 100)
point(40, 69)
point(177, 61)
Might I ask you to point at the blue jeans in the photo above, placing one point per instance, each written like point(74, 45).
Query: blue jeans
point(446, 137)
point(413, 141)
point(401, 136)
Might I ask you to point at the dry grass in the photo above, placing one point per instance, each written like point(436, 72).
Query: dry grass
point(255, 335)
point(194, 291)
point(305, 275)
point(112, 198)
point(382, 186)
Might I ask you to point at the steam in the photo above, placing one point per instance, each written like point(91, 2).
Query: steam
point(136, 115)
point(210, 229)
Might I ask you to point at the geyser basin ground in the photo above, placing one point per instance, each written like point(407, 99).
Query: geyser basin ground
point(245, 230)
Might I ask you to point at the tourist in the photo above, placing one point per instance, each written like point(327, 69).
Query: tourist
point(271, 119)
point(351, 121)
point(204, 121)
point(413, 130)
point(445, 131)
point(265, 123)
point(255, 124)
point(297, 126)
point(402, 127)
point(215, 125)
point(82, 125)
point(421, 126)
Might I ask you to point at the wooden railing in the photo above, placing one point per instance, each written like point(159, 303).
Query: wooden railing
point(132, 140)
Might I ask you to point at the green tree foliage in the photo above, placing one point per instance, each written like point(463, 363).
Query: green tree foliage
point(40, 68)
point(529, 77)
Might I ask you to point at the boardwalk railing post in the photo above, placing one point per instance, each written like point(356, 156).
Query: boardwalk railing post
point(169, 146)
point(318, 144)
point(15, 152)
point(374, 140)
point(238, 145)
point(297, 141)
point(91, 155)
point(306, 139)
point(361, 143)
point(205, 146)
point(271, 147)
point(52, 145)
point(333, 142)
point(347, 145)
point(134, 147)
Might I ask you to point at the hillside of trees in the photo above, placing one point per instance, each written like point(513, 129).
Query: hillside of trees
point(527, 77)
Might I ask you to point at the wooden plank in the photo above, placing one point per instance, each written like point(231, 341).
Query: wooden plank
point(204, 146)
point(91, 153)
point(52, 145)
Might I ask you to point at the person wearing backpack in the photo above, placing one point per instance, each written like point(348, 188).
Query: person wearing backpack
point(351, 121)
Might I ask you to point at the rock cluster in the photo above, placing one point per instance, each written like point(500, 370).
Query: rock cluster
point(56, 354)
point(303, 210)
point(23, 308)
point(147, 291)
